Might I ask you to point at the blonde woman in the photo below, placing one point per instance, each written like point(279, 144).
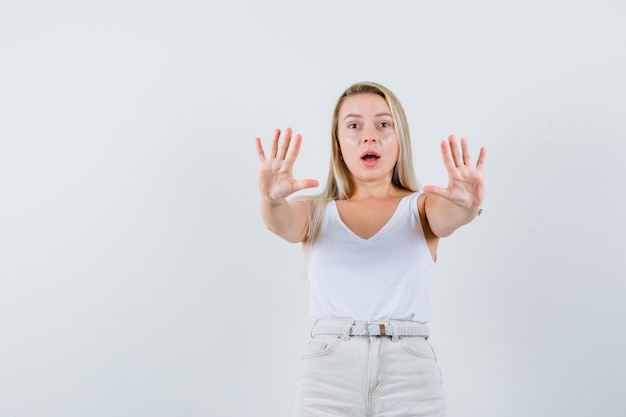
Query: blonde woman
point(371, 237)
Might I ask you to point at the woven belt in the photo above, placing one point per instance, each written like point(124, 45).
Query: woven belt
point(374, 329)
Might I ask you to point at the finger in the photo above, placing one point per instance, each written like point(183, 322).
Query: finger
point(295, 149)
point(439, 191)
point(454, 150)
point(467, 160)
point(274, 148)
point(303, 184)
point(446, 155)
point(284, 146)
point(481, 158)
point(259, 150)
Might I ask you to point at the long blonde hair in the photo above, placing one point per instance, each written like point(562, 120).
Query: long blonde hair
point(340, 185)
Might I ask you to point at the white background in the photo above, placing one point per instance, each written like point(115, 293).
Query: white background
point(137, 278)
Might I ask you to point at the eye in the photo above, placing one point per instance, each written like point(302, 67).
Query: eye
point(353, 126)
point(385, 124)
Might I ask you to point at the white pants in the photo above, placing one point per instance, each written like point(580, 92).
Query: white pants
point(369, 376)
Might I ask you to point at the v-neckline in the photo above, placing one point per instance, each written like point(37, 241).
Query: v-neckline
point(379, 231)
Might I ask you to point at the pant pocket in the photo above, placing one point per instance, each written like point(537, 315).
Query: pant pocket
point(321, 345)
point(418, 346)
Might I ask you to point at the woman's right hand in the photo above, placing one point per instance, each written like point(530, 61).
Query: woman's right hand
point(276, 169)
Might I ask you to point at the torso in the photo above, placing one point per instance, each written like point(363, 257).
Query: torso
point(365, 217)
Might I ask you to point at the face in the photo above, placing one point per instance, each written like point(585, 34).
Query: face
point(367, 137)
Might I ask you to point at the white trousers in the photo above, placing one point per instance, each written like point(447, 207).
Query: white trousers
point(369, 376)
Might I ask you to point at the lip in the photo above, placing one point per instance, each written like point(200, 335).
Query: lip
point(370, 162)
point(370, 152)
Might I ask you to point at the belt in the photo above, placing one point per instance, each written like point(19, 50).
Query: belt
point(374, 329)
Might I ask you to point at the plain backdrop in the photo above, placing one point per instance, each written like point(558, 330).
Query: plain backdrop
point(137, 278)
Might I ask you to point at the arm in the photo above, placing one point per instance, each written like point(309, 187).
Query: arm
point(449, 208)
point(287, 219)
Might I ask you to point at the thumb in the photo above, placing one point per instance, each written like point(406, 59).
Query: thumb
point(433, 189)
point(302, 184)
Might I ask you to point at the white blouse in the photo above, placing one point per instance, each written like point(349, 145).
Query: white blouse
point(385, 277)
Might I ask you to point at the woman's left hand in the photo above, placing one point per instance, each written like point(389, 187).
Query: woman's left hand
point(465, 181)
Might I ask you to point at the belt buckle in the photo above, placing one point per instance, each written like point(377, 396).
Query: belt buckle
point(382, 331)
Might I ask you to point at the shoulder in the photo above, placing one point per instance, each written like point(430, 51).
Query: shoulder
point(421, 210)
point(419, 198)
point(431, 239)
point(311, 203)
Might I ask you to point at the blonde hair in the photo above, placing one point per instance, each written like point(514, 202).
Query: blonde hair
point(339, 185)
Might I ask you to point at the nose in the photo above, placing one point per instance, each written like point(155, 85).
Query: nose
point(369, 136)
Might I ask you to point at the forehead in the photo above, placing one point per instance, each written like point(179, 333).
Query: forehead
point(363, 104)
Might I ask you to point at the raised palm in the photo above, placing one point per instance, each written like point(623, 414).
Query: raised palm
point(276, 169)
point(466, 186)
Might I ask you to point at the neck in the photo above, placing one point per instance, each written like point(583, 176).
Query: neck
point(364, 191)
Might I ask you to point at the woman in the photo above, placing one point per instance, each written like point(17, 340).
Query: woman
point(371, 237)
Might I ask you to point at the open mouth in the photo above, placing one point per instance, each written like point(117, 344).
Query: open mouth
point(370, 156)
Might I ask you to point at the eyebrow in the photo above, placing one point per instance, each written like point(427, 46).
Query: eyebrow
point(359, 116)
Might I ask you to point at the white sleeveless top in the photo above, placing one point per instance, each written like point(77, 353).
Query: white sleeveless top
point(385, 277)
